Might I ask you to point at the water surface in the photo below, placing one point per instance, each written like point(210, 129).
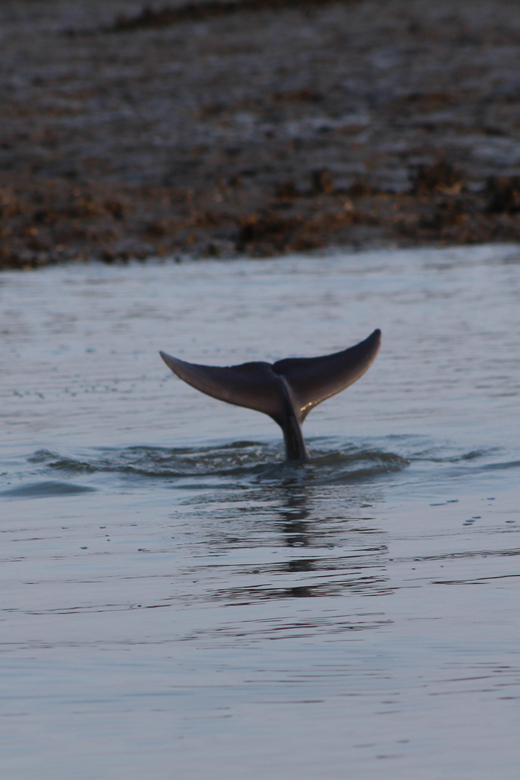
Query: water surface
point(178, 602)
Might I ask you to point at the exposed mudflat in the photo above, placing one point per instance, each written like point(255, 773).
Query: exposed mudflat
point(255, 127)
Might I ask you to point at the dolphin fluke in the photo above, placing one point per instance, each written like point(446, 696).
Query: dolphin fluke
point(286, 390)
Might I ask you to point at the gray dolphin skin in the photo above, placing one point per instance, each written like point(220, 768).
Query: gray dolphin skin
point(286, 390)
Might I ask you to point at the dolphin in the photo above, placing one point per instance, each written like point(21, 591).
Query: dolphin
point(286, 390)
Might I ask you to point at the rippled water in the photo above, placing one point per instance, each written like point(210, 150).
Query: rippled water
point(179, 602)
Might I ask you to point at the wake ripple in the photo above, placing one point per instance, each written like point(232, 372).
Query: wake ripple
point(237, 464)
point(236, 461)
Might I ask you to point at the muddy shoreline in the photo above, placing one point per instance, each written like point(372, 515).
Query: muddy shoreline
point(257, 127)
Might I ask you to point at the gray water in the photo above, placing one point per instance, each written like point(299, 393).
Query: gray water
point(178, 603)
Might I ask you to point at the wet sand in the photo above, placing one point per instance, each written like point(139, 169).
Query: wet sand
point(257, 128)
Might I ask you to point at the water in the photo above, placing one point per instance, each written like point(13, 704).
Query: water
point(179, 603)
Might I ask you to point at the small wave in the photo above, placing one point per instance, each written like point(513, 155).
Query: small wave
point(333, 461)
point(53, 460)
point(502, 465)
point(456, 458)
point(243, 460)
point(164, 462)
point(356, 464)
point(458, 462)
point(46, 489)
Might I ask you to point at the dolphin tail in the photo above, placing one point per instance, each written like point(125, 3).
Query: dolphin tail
point(286, 390)
point(313, 380)
point(254, 385)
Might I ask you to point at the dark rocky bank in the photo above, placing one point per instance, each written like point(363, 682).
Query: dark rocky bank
point(255, 127)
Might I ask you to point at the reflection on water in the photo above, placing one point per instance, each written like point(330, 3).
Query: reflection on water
point(178, 596)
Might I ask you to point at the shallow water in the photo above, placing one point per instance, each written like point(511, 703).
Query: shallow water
point(178, 602)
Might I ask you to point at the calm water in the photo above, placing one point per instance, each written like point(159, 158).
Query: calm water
point(178, 603)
